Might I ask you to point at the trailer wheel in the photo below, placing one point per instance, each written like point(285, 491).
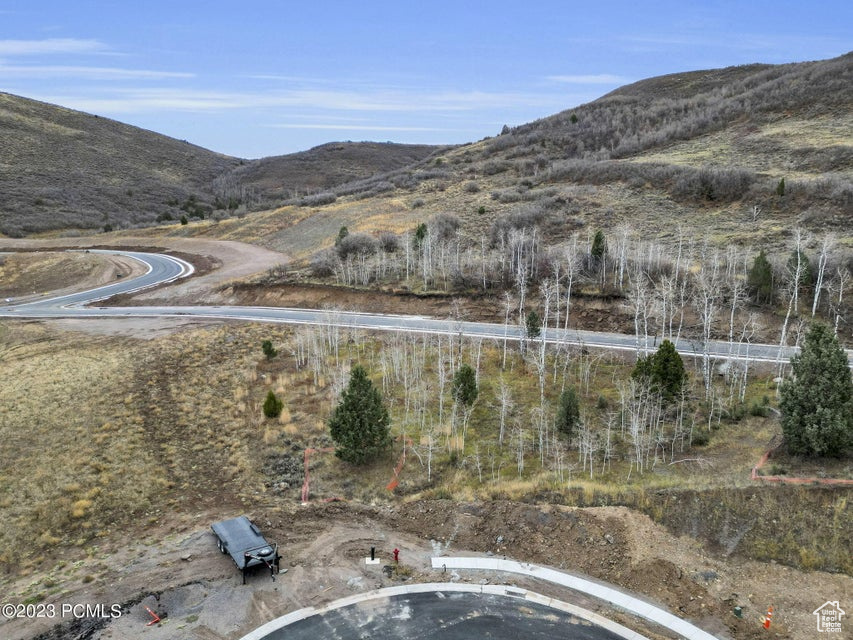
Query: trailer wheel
point(222, 547)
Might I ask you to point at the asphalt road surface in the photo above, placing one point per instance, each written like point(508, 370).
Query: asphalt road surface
point(163, 268)
point(449, 616)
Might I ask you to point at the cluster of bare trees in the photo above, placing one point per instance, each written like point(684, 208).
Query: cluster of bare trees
point(686, 287)
point(686, 290)
point(512, 422)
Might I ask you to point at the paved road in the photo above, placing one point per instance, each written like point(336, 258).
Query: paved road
point(446, 615)
point(162, 268)
point(599, 590)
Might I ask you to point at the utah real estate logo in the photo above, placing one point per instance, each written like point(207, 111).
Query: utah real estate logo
point(829, 617)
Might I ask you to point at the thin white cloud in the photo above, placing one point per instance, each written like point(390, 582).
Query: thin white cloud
point(344, 127)
point(601, 78)
point(187, 99)
point(50, 46)
point(89, 73)
point(282, 78)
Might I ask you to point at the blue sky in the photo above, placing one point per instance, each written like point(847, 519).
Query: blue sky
point(258, 78)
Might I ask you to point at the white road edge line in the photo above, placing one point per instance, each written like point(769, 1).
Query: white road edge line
point(600, 591)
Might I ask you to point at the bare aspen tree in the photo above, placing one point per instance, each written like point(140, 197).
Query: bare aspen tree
point(534, 263)
point(706, 300)
point(521, 272)
point(441, 378)
point(555, 263)
point(478, 463)
point(558, 460)
point(839, 284)
point(755, 211)
point(548, 293)
point(795, 277)
point(664, 304)
point(426, 258)
point(623, 231)
point(749, 329)
point(333, 333)
point(477, 344)
point(732, 262)
point(407, 240)
point(826, 247)
point(587, 446)
point(483, 260)
point(639, 299)
point(539, 417)
point(428, 443)
point(572, 263)
point(641, 413)
point(587, 363)
point(519, 438)
point(681, 271)
point(737, 293)
point(505, 398)
point(607, 448)
point(799, 268)
point(507, 301)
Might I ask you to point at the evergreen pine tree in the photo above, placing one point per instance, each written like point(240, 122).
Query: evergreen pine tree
point(760, 279)
point(568, 413)
point(465, 386)
point(533, 324)
point(420, 235)
point(817, 402)
point(599, 246)
point(342, 233)
point(272, 405)
point(663, 371)
point(269, 351)
point(360, 425)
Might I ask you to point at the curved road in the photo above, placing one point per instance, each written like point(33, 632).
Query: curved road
point(445, 613)
point(163, 268)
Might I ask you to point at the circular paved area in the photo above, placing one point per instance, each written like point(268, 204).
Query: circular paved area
point(446, 615)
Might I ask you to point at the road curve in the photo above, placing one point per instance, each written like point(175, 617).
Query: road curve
point(163, 269)
point(453, 611)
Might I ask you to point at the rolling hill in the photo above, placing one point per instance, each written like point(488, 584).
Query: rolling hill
point(704, 150)
point(62, 169)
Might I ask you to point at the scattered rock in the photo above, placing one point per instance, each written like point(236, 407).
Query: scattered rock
point(706, 576)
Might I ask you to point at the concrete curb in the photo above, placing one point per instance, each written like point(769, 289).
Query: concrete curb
point(608, 594)
point(490, 589)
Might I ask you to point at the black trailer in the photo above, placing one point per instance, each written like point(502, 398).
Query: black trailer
point(241, 539)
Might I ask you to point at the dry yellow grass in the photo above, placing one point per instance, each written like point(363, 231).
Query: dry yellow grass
point(98, 432)
point(764, 148)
